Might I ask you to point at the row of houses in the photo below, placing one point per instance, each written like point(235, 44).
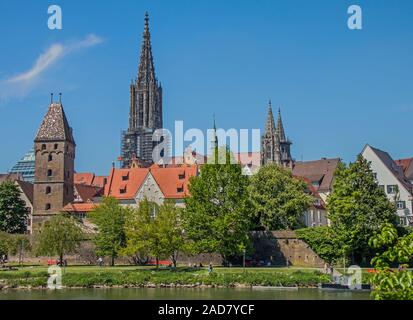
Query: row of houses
point(158, 183)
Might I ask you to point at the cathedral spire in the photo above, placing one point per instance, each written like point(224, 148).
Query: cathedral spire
point(215, 137)
point(270, 125)
point(145, 109)
point(146, 69)
point(280, 127)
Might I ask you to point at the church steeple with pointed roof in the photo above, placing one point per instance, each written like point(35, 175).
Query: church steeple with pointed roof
point(275, 147)
point(145, 110)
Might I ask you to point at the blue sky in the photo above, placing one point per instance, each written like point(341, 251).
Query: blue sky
point(338, 89)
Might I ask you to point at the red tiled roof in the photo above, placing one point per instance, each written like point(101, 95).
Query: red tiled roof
point(169, 180)
point(115, 183)
point(87, 192)
point(89, 178)
point(321, 171)
point(79, 207)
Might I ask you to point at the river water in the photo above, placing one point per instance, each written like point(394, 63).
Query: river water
point(184, 294)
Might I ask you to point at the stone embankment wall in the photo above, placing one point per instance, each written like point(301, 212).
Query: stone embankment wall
point(277, 248)
point(282, 248)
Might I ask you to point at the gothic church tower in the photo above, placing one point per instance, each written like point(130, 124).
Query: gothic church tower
point(54, 164)
point(275, 147)
point(145, 111)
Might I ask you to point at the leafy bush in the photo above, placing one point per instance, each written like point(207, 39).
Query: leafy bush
point(322, 241)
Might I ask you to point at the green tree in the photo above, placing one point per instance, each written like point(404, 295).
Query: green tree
point(109, 217)
point(59, 236)
point(18, 244)
point(217, 217)
point(389, 284)
point(142, 238)
point(279, 199)
point(168, 228)
point(13, 213)
point(357, 208)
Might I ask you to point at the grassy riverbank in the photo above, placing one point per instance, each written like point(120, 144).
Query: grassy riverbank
point(87, 277)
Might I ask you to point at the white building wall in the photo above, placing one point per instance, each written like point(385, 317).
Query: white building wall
point(385, 177)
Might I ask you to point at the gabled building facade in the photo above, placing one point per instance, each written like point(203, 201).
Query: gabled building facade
point(157, 184)
point(391, 177)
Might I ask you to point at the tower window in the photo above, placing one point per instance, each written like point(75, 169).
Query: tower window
point(48, 206)
point(49, 173)
point(43, 147)
point(50, 157)
point(56, 146)
point(48, 190)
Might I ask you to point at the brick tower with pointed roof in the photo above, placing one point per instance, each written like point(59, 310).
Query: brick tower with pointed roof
point(145, 111)
point(275, 147)
point(54, 148)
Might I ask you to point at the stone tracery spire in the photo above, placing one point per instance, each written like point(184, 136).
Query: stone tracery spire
point(280, 127)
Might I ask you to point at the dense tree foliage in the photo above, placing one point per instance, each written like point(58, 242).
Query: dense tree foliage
point(217, 217)
point(13, 213)
point(142, 238)
point(322, 241)
point(59, 236)
point(168, 226)
point(109, 217)
point(279, 199)
point(389, 284)
point(357, 208)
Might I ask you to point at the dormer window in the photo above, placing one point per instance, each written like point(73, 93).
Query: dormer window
point(180, 188)
point(181, 175)
point(125, 177)
point(122, 189)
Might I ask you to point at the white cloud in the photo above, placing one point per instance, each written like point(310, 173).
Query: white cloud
point(20, 84)
point(45, 60)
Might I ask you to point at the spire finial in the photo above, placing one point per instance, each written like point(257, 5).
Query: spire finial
point(51, 98)
point(60, 98)
point(269, 102)
point(213, 116)
point(146, 21)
